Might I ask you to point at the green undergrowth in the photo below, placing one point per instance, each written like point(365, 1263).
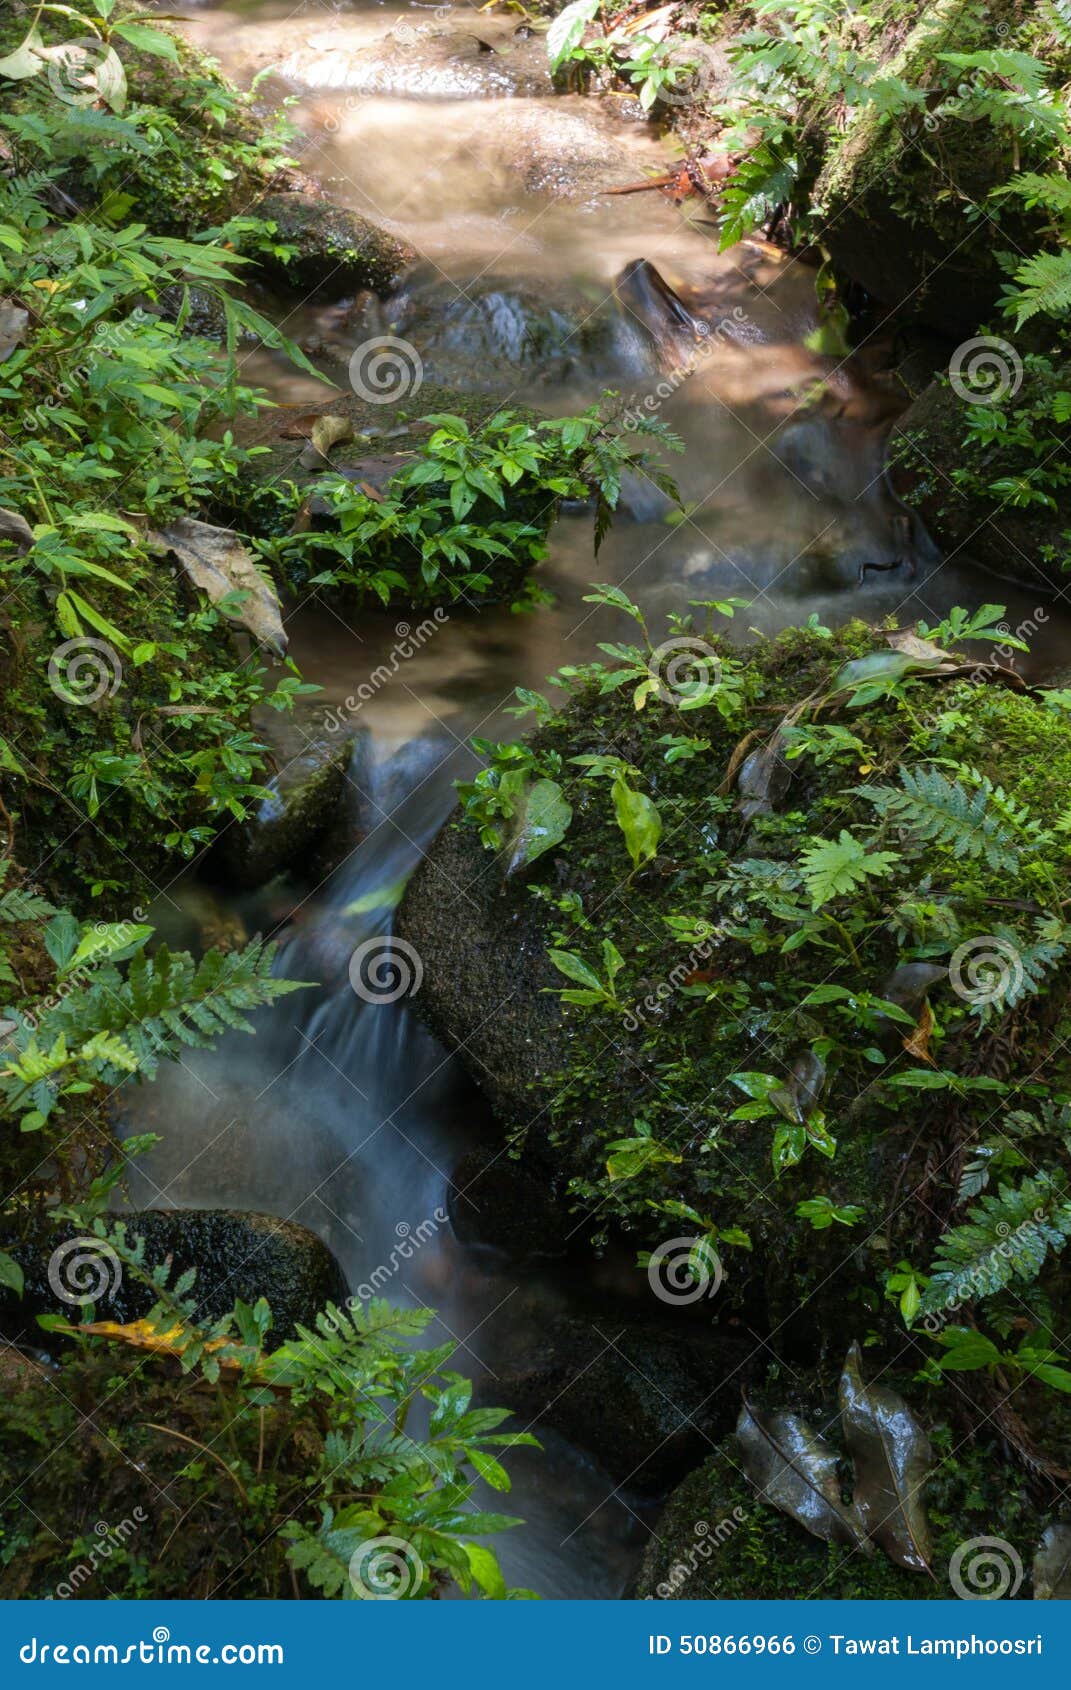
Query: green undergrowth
point(806, 910)
point(213, 1466)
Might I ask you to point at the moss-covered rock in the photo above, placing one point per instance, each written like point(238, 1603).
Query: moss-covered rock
point(236, 1255)
point(704, 990)
point(331, 250)
point(1003, 501)
point(899, 198)
point(280, 835)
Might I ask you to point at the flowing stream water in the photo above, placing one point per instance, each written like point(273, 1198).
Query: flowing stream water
point(441, 124)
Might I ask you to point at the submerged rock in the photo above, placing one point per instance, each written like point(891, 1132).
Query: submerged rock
point(424, 60)
point(335, 250)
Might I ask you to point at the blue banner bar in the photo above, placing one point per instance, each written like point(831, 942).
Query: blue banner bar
point(468, 1644)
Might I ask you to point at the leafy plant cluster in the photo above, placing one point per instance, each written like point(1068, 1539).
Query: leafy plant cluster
point(114, 421)
point(853, 827)
point(472, 507)
point(307, 1468)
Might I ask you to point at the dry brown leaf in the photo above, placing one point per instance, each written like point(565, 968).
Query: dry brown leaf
point(217, 562)
point(15, 528)
point(917, 1043)
point(13, 321)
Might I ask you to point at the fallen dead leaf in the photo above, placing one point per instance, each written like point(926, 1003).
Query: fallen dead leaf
point(217, 562)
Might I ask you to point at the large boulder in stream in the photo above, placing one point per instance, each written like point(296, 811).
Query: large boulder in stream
point(237, 1254)
point(331, 250)
point(761, 1047)
point(646, 1402)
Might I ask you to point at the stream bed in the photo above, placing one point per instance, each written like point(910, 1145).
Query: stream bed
point(344, 1114)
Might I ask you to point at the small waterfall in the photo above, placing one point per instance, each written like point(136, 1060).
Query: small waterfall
point(345, 1115)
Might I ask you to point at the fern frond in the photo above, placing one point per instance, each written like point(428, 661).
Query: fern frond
point(1043, 283)
point(1007, 1237)
point(168, 1001)
point(940, 811)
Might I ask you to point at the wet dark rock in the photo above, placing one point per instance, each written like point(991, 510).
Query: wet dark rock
point(496, 1201)
point(336, 251)
point(281, 834)
point(497, 328)
point(236, 1254)
point(946, 479)
point(582, 153)
point(647, 1403)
